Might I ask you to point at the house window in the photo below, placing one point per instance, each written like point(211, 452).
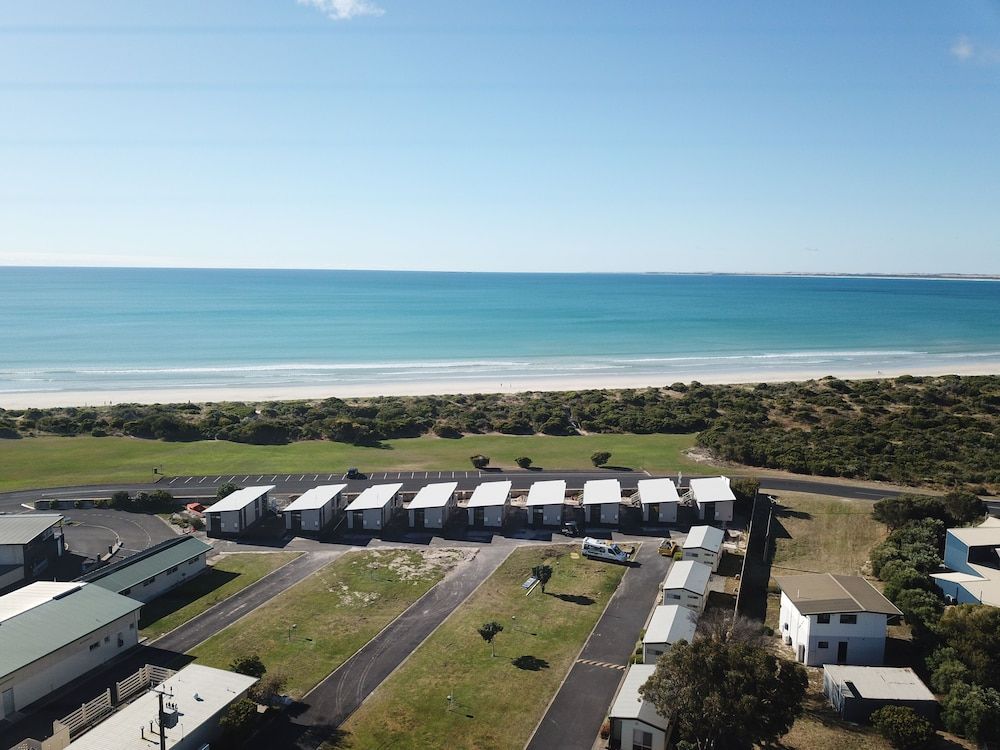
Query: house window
point(674, 596)
point(785, 626)
point(848, 619)
point(192, 561)
point(107, 639)
point(149, 581)
point(823, 644)
point(95, 646)
point(642, 740)
point(823, 619)
point(172, 570)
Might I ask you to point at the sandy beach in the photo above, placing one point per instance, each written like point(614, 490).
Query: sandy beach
point(47, 399)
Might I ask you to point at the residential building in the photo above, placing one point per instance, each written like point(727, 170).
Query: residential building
point(489, 505)
point(29, 544)
point(658, 500)
point(374, 508)
point(686, 584)
point(433, 506)
point(635, 723)
point(545, 502)
point(714, 498)
point(602, 499)
point(315, 509)
point(704, 544)
point(834, 619)
point(239, 511)
point(669, 624)
point(857, 692)
point(153, 571)
point(52, 633)
point(972, 556)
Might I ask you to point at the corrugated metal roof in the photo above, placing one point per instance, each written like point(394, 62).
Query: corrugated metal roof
point(134, 570)
point(315, 498)
point(239, 499)
point(549, 492)
point(600, 491)
point(704, 537)
point(490, 493)
point(712, 490)
point(826, 593)
point(688, 575)
point(434, 495)
point(657, 491)
point(23, 527)
point(57, 622)
point(630, 705)
point(374, 497)
point(671, 623)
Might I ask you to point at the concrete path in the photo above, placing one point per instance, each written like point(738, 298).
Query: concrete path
point(574, 718)
point(331, 702)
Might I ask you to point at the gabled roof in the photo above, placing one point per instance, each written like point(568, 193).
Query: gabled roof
point(712, 490)
point(375, 497)
point(599, 491)
point(657, 491)
point(23, 527)
point(826, 593)
point(133, 570)
point(671, 623)
point(434, 495)
point(240, 499)
point(630, 705)
point(315, 498)
point(689, 575)
point(490, 493)
point(549, 492)
point(705, 537)
point(48, 616)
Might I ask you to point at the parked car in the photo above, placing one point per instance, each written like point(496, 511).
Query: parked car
point(570, 528)
point(353, 473)
point(598, 549)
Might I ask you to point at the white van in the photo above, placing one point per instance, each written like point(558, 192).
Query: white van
point(599, 549)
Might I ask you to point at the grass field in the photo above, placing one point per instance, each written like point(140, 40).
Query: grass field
point(60, 461)
point(498, 701)
point(228, 575)
point(336, 611)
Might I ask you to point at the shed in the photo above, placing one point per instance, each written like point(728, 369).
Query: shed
point(315, 509)
point(239, 511)
point(659, 500)
point(669, 624)
point(433, 505)
point(602, 499)
point(635, 723)
point(545, 502)
point(489, 504)
point(374, 508)
point(687, 584)
point(153, 571)
point(857, 692)
point(714, 498)
point(704, 544)
point(29, 544)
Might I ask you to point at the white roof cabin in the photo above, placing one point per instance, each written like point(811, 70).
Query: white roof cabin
point(374, 497)
point(549, 492)
point(434, 495)
point(315, 498)
point(705, 537)
point(600, 491)
point(240, 499)
point(657, 491)
point(630, 705)
point(688, 575)
point(712, 490)
point(490, 494)
point(671, 623)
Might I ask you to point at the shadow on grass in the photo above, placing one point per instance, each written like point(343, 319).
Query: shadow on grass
point(196, 588)
point(572, 598)
point(782, 511)
point(530, 663)
point(609, 467)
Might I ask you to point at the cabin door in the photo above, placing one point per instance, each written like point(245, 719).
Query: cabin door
point(479, 517)
point(418, 518)
point(296, 520)
point(595, 514)
point(654, 512)
point(709, 512)
point(8, 702)
point(214, 523)
point(538, 516)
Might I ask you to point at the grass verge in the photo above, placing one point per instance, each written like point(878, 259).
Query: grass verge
point(335, 612)
point(60, 461)
point(498, 701)
point(224, 577)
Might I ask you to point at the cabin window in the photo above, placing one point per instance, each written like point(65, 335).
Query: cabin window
point(674, 596)
point(848, 619)
point(823, 619)
point(149, 581)
point(172, 570)
point(95, 646)
point(823, 644)
point(642, 740)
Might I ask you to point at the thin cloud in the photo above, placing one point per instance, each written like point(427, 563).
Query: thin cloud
point(967, 50)
point(344, 10)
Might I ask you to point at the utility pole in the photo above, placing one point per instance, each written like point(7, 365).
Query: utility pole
point(162, 720)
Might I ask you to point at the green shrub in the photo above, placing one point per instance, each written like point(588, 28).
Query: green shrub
point(903, 727)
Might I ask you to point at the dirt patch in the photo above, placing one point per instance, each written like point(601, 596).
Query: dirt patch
point(420, 564)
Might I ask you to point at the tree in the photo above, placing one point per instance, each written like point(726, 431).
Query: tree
point(543, 573)
point(972, 711)
point(225, 489)
point(523, 461)
point(251, 665)
point(726, 695)
point(723, 626)
point(600, 458)
point(896, 512)
point(488, 632)
point(899, 576)
point(903, 727)
point(120, 499)
point(269, 687)
point(972, 631)
point(922, 609)
point(745, 490)
point(480, 461)
point(963, 508)
point(237, 722)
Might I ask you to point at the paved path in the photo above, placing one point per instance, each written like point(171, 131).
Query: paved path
point(574, 718)
point(331, 702)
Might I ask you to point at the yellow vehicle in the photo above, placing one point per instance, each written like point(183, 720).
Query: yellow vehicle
point(668, 547)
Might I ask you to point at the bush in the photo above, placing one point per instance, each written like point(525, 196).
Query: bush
point(480, 461)
point(120, 499)
point(972, 711)
point(600, 458)
point(903, 727)
point(447, 431)
point(523, 461)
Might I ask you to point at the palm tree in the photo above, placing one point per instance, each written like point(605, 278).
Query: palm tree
point(490, 630)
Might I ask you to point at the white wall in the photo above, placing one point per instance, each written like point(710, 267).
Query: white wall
point(723, 511)
point(493, 515)
point(703, 555)
point(553, 515)
point(694, 602)
point(167, 580)
point(668, 513)
point(622, 729)
point(609, 512)
point(865, 639)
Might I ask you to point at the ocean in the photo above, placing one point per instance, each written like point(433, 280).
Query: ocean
point(113, 330)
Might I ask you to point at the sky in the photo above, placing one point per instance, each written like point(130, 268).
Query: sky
point(523, 135)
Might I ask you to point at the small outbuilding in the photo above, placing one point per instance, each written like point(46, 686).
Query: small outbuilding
point(704, 544)
point(374, 508)
point(635, 722)
point(857, 692)
point(489, 505)
point(658, 499)
point(154, 571)
point(29, 544)
point(686, 584)
point(602, 499)
point(714, 499)
point(545, 502)
point(433, 505)
point(314, 510)
point(669, 624)
point(239, 511)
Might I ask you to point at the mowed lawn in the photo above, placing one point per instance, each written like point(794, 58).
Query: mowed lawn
point(225, 576)
point(497, 701)
point(61, 461)
point(335, 612)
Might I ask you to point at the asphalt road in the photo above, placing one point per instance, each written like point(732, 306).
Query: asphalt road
point(331, 702)
point(574, 717)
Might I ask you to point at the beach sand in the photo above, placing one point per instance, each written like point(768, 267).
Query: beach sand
point(46, 399)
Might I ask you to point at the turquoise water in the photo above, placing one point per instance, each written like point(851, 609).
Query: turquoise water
point(112, 329)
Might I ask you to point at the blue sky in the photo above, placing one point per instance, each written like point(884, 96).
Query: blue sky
point(520, 135)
